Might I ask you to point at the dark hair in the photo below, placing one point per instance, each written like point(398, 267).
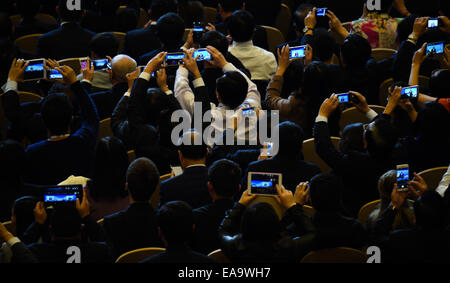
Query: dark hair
point(325, 191)
point(231, 5)
point(65, 221)
point(192, 146)
point(161, 7)
point(241, 25)
point(67, 15)
point(5, 25)
point(175, 219)
point(127, 20)
point(293, 78)
point(300, 15)
point(170, 29)
point(56, 112)
point(439, 83)
point(110, 168)
point(260, 224)
point(430, 120)
point(108, 7)
point(215, 39)
point(232, 88)
point(142, 179)
point(291, 139)
point(225, 176)
point(190, 12)
point(155, 102)
point(356, 51)
point(104, 44)
point(405, 27)
point(381, 138)
point(352, 138)
point(28, 8)
point(430, 211)
point(264, 16)
point(324, 44)
point(23, 211)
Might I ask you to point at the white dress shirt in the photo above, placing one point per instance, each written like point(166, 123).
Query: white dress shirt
point(445, 181)
point(261, 63)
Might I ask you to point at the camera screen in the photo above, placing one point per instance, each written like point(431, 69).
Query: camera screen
point(100, 64)
point(410, 92)
point(297, 52)
point(55, 74)
point(202, 54)
point(62, 194)
point(174, 59)
point(264, 184)
point(435, 48)
point(321, 12)
point(343, 98)
point(248, 112)
point(402, 178)
point(35, 70)
point(433, 23)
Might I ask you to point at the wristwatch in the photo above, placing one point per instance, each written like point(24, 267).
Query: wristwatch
point(305, 30)
point(412, 38)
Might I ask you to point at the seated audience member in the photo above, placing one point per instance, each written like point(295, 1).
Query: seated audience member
point(136, 226)
point(405, 216)
point(332, 228)
point(18, 251)
point(264, 14)
point(22, 214)
point(28, 9)
point(191, 12)
point(63, 154)
point(253, 233)
point(70, 40)
point(224, 177)
point(127, 20)
point(104, 18)
point(176, 225)
point(261, 63)
point(298, 24)
point(359, 170)
point(107, 193)
point(289, 159)
point(140, 41)
point(191, 186)
point(65, 226)
point(427, 242)
point(102, 45)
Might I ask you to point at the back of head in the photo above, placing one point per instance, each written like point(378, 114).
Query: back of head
point(291, 140)
point(110, 167)
point(241, 26)
point(176, 220)
point(23, 213)
point(232, 88)
point(325, 191)
point(230, 6)
point(108, 7)
point(439, 83)
point(225, 177)
point(28, 8)
point(323, 45)
point(5, 25)
point(316, 83)
point(67, 15)
point(190, 12)
point(381, 137)
point(432, 120)
point(293, 77)
point(142, 179)
point(127, 20)
point(121, 66)
point(191, 146)
point(386, 184)
point(104, 44)
point(405, 28)
point(65, 222)
point(216, 40)
point(56, 112)
point(260, 224)
point(352, 138)
point(170, 29)
point(267, 14)
point(430, 211)
point(155, 102)
point(355, 51)
point(162, 7)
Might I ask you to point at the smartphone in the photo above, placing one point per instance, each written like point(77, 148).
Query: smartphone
point(83, 63)
point(142, 68)
point(267, 149)
point(35, 70)
point(263, 183)
point(54, 74)
point(321, 12)
point(203, 54)
point(174, 59)
point(435, 48)
point(198, 29)
point(297, 52)
point(247, 112)
point(62, 195)
point(402, 177)
point(410, 92)
point(347, 98)
point(100, 64)
point(433, 23)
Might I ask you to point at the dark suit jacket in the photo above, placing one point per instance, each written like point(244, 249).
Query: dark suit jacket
point(178, 254)
point(190, 187)
point(21, 254)
point(207, 220)
point(107, 100)
point(294, 171)
point(133, 228)
point(140, 41)
point(67, 41)
point(32, 26)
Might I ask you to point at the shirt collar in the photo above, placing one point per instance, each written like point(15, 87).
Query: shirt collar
point(243, 44)
point(196, 165)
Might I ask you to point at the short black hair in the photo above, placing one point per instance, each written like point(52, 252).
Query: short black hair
point(356, 51)
point(190, 12)
point(405, 27)
point(260, 223)
point(430, 211)
point(65, 221)
point(127, 20)
point(142, 179)
point(108, 7)
point(23, 211)
point(192, 146)
point(28, 8)
point(241, 26)
point(225, 176)
point(324, 44)
point(291, 138)
point(439, 83)
point(352, 138)
point(232, 88)
point(104, 44)
point(170, 29)
point(56, 112)
point(67, 15)
point(215, 39)
point(161, 7)
point(231, 5)
point(430, 121)
point(325, 191)
point(381, 138)
point(5, 25)
point(176, 220)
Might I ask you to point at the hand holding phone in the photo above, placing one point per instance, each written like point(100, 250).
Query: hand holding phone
point(297, 52)
point(264, 183)
point(62, 195)
point(433, 23)
point(435, 48)
point(321, 12)
point(202, 54)
point(347, 98)
point(100, 64)
point(198, 29)
point(410, 92)
point(35, 70)
point(402, 177)
point(174, 59)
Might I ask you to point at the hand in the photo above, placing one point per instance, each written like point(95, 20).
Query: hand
point(84, 209)
point(328, 106)
point(246, 199)
point(51, 64)
point(301, 195)
point(189, 40)
point(417, 186)
point(334, 22)
point(283, 60)
point(155, 63)
point(398, 198)
point(161, 79)
point(88, 72)
point(408, 107)
point(210, 27)
point(17, 70)
point(131, 77)
point(420, 55)
point(365, 12)
point(5, 235)
point(147, 24)
point(285, 197)
point(69, 76)
point(190, 63)
point(420, 26)
point(362, 105)
point(310, 19)
point(218, 60)
point(394, 98)
point(40, 215)
point(445, 24)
